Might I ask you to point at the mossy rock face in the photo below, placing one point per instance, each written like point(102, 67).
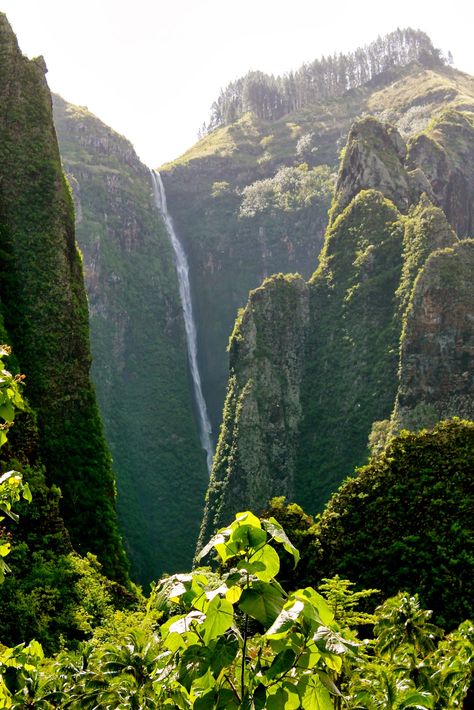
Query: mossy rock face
point(45, 308)
point(405, 522)
point(350, 367)
point(437, 347)
point(445, 153)
point(426, 230)
point(374, 158)
point(255, 457)
point(231, 251)
point(140, 366)
point(374, 255)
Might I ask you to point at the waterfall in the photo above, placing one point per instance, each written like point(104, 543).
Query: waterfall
point(182, 269)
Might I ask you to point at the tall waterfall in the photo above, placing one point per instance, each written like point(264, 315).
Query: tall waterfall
point(182, 269)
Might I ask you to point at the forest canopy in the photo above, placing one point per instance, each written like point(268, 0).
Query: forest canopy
point(271, 97)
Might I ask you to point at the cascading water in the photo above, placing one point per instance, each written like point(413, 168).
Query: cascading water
point(182, 269)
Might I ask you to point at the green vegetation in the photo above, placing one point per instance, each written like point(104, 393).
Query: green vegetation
point(236, 639)
point(270, 97)
point(139, 366)
point(44, 307)
point(295, 424)
point(253, 460)
point(404, 521)
point(230, 253)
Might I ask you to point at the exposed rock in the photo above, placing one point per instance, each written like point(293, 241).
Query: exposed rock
point(255, 459)
point(437, 347)
point(445, 154)
point(374, 158)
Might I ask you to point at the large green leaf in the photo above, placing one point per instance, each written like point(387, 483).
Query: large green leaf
point(219, 618)
point(193, 664)
point(275, 530)
point(316, 607)
point(247, 537)
point(313, 694)
point(207, 701)
point(328, 640)
point(7, 411)
point(224, 652)
point(217, 541)
point(281, 663)
point(282, 696)
point(182, 623)
point(265, 564)
point(285, 620)
point(262, 602)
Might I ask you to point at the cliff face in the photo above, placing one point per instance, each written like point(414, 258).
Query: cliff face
point(445, 154)
point(44, 306)
point(139, 352)
point(255, 459)
point(374, 268)
point(437, 346)
point(244, 211)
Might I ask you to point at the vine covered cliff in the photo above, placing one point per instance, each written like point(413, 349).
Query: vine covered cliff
point(44, 307)
point(138, 344)
point(387, 319)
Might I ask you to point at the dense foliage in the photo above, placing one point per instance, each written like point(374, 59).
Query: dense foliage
point(404, 521)
point(270, 97)
point(236, 639)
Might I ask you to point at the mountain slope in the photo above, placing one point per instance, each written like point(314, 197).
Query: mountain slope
point(44, 306)
point(376, 254)
point(139, 353)
point(241, 210)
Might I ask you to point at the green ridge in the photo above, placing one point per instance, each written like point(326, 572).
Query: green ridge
point(44, 306)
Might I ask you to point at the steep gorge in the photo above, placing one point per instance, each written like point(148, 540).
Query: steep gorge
point(140, 366)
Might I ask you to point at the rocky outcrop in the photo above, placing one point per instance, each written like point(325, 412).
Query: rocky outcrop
point(374, 158)
point(426, 230)
point(375, 264)
point(445, 154)
point(437, 346)
point(45, 309)
point(256, 456)
point(139, 353)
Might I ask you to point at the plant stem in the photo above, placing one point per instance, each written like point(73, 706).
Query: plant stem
point(244, 650)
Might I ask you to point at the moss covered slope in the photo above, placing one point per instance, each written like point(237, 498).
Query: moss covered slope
point(139, 352)
point(241, 216)
point(375, 264)
point(45, 309)
point(405, 522)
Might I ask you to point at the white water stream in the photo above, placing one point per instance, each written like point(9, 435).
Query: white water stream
point(182, 269)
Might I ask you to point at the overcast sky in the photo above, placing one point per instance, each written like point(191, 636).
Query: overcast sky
point(151, 69)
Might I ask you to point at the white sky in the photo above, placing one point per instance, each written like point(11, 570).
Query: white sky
point(151, 69)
